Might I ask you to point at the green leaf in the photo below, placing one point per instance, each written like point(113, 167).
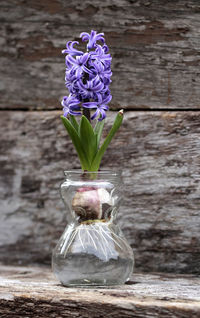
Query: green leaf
point(88, 138)
point(77, 143)
point(74, 122)
point(117, 123)
point(98, 130)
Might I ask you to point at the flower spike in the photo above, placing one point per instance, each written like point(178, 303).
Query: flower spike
point(88, 76)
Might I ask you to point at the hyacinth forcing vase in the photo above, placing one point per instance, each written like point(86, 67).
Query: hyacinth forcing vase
point(92, 250)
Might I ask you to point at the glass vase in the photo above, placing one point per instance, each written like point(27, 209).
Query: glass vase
point(92, 250)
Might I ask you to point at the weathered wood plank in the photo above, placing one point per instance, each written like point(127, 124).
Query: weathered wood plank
point(30, 291)
point(99, 12)
point(155, 49)
point(159, 155)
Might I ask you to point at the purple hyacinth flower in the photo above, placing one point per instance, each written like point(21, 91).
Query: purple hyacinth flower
point(105, 48)
point(78, 64)
point(92, 38)
point(100, 55)
point(71, 50)
point(71, 105)
point(101, 106)
point(103, 72)
point(92, 87)
point(70, 81)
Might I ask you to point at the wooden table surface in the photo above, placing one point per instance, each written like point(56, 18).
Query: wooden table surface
point(34, 292)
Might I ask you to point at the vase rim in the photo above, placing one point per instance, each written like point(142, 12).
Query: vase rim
point(101, 172)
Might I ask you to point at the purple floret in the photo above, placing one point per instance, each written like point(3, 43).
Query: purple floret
point(71, 105)
point(92, 38)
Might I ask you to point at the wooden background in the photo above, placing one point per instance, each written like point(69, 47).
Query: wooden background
point(155, 46)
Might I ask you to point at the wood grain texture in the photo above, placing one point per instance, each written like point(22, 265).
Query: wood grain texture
point(154, 45)
point(34, 292)
point(158, 153)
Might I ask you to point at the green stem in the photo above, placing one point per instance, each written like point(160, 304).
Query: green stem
point(86, 111)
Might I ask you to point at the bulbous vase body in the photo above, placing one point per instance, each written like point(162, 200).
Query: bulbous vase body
point(92, 250)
